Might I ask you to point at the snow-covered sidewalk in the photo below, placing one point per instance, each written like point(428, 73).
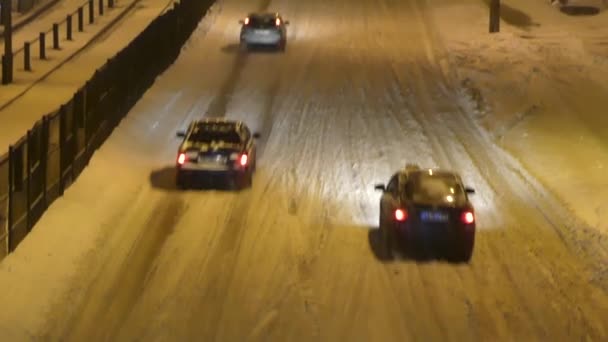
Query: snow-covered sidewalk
point(46, 96)
point(53, 81)
point(540, 87)
point(19, 20)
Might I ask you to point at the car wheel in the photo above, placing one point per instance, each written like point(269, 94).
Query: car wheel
point(464, 251)
point(386, 245)
point(180, 181)
point(246, 179)
point(244, 46)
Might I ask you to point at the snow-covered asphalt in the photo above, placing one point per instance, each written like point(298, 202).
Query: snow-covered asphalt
point(363, 88)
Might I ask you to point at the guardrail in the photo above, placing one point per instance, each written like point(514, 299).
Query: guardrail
point(40, 166)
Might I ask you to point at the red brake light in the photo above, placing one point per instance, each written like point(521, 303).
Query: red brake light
point(243, 160)
point(400, 215)
point(468, 217)
point(181, 159)
point(247, 21)
point(277, 21)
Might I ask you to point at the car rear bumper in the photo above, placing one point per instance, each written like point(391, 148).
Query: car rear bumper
point(438, 234)
point(209, 173)
point(259, 39)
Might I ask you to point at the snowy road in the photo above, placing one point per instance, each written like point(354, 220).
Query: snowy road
point(354, 97)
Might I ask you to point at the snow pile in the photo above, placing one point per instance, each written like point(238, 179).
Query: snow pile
point(539, 89)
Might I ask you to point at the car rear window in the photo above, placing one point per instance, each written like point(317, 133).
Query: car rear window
point(209, 133)
point(432, 189)
point(262, 22)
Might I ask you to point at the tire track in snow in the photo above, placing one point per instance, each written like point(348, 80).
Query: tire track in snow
point(438, 141)
point(414, 281)
point(455, 129)
point(217, 107)
point(126, 283)
point(544, 203)
point(422, 111)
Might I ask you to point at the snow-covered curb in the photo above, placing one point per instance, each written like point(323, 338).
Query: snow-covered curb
point(539, 91)
point(43, 269)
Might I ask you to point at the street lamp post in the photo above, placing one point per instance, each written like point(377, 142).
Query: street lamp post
point(495, 16)
point(7, 58)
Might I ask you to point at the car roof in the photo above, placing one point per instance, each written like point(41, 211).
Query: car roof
point(264, 14)
point(218, 122)
point(433, 172)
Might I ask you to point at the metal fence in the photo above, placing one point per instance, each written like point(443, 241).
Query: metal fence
point(49, 157)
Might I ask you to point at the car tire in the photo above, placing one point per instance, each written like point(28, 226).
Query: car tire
point(180, 181)
point(386, 245)
point(247, 179)
point(464, 252)
point(232, 183)
point(244, 47)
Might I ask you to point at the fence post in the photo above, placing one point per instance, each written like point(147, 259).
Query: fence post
point(62, 149)
point(100, 7)
point(74, 143)
point(83, 109)
point(26, 57)
point(44, 156)
point(28, 172)
point(42, 45)
point(6, 69)
point(69, 26)
point(55, 36)
point(11, 180)
point(80, 19)
point(495, 16)
point(91, 11)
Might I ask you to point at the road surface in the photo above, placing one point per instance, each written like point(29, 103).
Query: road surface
point(362, 89)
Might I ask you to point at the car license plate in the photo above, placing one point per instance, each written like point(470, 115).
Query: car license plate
point(434, 216)
point(262, 32)
point(212, 160)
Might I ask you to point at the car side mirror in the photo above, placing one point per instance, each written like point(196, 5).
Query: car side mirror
point(256, 135)
point(286, 22)
point(380, 187)
point(181, 134)
point(469, 190)
point(242, 22)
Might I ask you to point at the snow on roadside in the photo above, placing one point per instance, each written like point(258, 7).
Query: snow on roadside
point(539, 88)
point(39, 272)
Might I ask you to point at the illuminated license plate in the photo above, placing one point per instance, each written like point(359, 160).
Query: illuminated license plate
point(434, 216)
point(262, 32)
point(212, 160)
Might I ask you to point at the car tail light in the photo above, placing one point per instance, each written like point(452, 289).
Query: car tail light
point(181, 159)
point(468, 217)
point(277, 21)
point(400, 215)
point(247, 21)
point(243, 160)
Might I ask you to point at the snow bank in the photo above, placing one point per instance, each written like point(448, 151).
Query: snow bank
point(37, 273)
point(539, 88)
